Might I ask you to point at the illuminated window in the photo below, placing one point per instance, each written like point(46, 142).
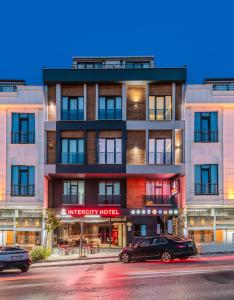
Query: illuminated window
point(110, 151)
point(160, 108)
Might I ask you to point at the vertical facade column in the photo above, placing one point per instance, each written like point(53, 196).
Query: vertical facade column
point(85, 101)
point(173, 100)
point(147, 101)
point(214, 225)
point(124, 101)
point(147, 146)
point(96, 106)
point(173, 146)
point(183, 103)
point(58, 101)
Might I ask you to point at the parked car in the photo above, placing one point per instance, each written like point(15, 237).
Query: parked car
point(164, 247)
point(14, 258)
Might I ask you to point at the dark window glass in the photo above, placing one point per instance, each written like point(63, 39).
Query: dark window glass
point(72, 151)
point(109, 192)
point(22, 181)
point(73, 192)
point(72, 108)
point(206, 179)
point(206, 127)
point(110, 108)
point(23, 128)
point(141, 230)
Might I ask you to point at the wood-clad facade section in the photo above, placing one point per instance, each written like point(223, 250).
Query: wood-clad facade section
point(136, 102)
point(71, 90)
point(110, 90)
point(91, 102)
point(51, 147)
point(91, 147)
point(51, 102)
point(136, 147)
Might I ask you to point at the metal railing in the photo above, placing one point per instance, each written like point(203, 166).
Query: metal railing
point(151, 200)
point(23, 190)
point(73, 199)
point(110, 114)
point(208, 136)
point(109, 199)
point(160, 114)
point(72, 158)
point(160, 158)
point(72, 114)
point(110, 157)
point(23, 137)
point(206, 189)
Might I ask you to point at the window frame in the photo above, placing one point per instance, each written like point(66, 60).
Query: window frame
point(78, 140)
point(206, 134)
point(206, 168)
point(155, 108)
point(155, 140)
point(105, 110)
point(106, 151)
point(18, 135)
point(30, 173)
point(69, 99)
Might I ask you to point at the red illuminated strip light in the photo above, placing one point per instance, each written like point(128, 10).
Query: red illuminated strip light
point(105, 212)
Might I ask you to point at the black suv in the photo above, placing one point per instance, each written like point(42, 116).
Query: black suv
point(164, 247)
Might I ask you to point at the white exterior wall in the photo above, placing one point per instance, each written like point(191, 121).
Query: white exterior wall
point(202, 98)
point(27, 99)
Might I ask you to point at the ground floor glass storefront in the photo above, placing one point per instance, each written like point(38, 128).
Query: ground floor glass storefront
point(100, 232)
point(20, 227)
point(207, 226)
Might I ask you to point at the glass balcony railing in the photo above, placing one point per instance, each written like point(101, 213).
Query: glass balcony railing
point(160, 158)
point(72, 158)
point(109, 199)
point(110, 114)
point(153, 200)
point(110, 157)
point(72, 114)
point(160, 114)
point(78, 199)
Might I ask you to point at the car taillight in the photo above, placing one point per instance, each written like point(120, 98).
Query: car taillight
point(180, 246)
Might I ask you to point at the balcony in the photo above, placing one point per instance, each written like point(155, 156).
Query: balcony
point(23, 137)
point(160, 200)
point(110, 158)
point(110, 114)
point(72, 158)
point(77, 199)
point(109, 199)
point(160, 158)
point(160, 114)
point(23, 190)
point(209, 136)
point(72, 114)
point(206, 189)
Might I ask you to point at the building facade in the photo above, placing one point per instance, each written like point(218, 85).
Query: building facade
point(22, 163)
point(114, 133)
point(209, 161)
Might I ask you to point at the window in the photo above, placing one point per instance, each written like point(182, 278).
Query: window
point(73, 192)
point(160, 108)
point(158, 192)
point(206, 179)
point(109, 192)
point(8, 88)
point(159, 241)
point(141, 230)
point(110, 108)
point(89, 65)
point(72, 151)
point(23, 128)
point(137, 65)
point(223, 87)
point(72, 108)
point(22, 181)
point(160, 151)
point(110, 151)
point(206, 127)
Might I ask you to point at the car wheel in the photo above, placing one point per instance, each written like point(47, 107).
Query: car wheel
point(125, 258)
point(24, 269)
point(166, 256)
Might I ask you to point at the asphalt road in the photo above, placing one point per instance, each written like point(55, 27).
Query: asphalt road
point(198, 278)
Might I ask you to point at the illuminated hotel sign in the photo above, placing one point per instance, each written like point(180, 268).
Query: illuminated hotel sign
point(104, 212)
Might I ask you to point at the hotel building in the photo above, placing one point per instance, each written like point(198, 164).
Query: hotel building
point(209, 162)
point(114, 131)
point(22, 163)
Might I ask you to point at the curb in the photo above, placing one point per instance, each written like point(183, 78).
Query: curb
point(75, 263)
point(75, 259)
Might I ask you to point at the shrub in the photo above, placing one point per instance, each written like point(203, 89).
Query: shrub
point(39, 253)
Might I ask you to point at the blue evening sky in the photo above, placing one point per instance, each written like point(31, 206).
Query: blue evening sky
point(48, 33)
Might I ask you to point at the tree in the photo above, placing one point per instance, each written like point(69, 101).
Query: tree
point(51, 222)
